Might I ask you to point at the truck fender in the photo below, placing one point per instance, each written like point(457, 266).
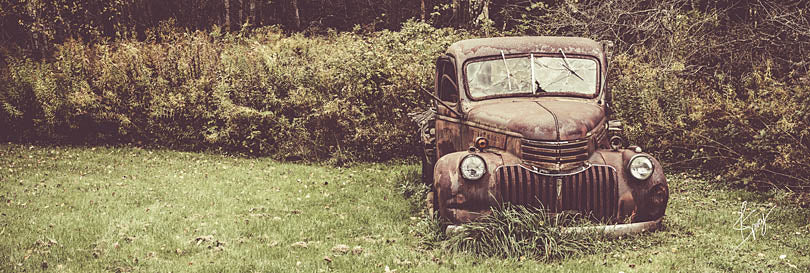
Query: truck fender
point(462, 200)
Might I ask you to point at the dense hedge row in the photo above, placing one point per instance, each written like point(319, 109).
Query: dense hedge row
point(756, 135)
point(340, 96)
point(345, 96)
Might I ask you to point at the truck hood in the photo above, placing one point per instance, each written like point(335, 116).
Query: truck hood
point(540, 120)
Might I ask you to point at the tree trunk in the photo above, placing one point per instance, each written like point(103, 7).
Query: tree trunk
point(393, 10)
point(454, 19)
point(257, 13)
point(424, 11)
point(252, 14)
point(483, 19)
point(279, 10)
point(296, 15)
point(485, 11)
point(228, 15)
point(240, 13)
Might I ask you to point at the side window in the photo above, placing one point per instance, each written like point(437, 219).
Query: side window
point(446, 75)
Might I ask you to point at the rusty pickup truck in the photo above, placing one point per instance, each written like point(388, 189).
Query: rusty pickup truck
point(525, 120)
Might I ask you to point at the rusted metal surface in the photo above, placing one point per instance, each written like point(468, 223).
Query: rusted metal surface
point(544, 150)
point(594, 189)
point(447, 136)
point(619, 229)
point(460, 200)
point(543, 120)
point(610, 231)
point(604, 189)
point(485, 47)
point(540, 118)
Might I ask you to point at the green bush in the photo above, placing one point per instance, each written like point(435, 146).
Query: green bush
point(755, 135)
point(342, 97)
point(339, 97)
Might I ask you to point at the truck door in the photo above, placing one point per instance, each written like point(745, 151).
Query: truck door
point(448, 124)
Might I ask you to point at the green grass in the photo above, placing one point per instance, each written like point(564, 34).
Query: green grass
point(130, 209)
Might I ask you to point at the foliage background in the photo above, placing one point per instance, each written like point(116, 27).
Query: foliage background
point(717, 85)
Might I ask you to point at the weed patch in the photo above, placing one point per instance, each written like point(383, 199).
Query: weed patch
point(522, 232)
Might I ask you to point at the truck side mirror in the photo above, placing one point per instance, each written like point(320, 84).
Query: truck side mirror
point(607, 49)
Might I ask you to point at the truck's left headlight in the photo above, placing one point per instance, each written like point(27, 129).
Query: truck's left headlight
point(641, 167)
point(472, 167)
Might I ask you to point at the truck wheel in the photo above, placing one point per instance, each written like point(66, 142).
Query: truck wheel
point(429, 155)
point(427, 172)
point(426, 121)
point(431, 202)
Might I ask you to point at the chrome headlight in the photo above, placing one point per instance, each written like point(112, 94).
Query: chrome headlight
point(641, 167)
point(472, 167)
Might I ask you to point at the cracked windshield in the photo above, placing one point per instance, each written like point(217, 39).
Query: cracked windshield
point(532, 74)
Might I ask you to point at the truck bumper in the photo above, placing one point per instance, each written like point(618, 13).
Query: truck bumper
point(602, 190)
point(606, 230)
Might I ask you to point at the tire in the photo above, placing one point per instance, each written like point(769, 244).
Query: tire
point(426, 121)
point(431, 203)
point(427, 172)
point(428, 166)
point(428, 153)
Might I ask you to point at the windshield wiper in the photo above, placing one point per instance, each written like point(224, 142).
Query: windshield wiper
point(534, 81)
point(566, 66)
point(536, 88)
point(539, 88)
point(508, 74)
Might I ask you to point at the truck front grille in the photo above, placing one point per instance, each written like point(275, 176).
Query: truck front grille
point(554, 153)
point(594, 191)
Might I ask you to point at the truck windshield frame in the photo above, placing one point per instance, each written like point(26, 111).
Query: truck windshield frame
point(532, 74)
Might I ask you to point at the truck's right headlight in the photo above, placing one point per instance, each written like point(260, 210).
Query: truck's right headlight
point(472, 167)
point(641, 167)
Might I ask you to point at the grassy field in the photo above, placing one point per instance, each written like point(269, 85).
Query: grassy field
point(130, 209)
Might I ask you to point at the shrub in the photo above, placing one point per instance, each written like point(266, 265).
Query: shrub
point(342, 96)
point(755, 135)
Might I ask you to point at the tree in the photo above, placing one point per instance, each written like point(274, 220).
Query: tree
point(455, 18)
point(228, 15)
point(239, 11)
point(424, 11)
point(252, 12)
point(296, 15)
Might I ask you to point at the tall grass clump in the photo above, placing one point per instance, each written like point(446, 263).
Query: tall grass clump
point(522, 232)
point(413, 189)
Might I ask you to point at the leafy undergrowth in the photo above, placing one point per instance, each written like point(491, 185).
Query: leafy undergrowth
point(129, 209)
